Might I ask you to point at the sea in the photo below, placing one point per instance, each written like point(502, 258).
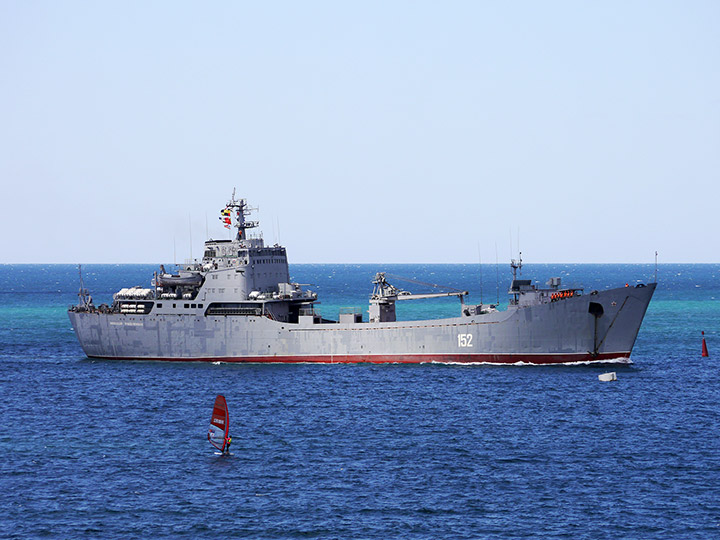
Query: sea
point(118, 449)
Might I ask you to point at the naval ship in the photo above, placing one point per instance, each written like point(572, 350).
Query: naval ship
point(238, 304)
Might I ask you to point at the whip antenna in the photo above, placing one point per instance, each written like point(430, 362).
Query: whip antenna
point(190, 229)
point(497, 275)
point(656, 267)
point(481, 276)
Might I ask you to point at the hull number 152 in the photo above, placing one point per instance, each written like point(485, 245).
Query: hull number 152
point(465, 340)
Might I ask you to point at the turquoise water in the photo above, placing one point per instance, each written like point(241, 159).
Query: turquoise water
point(112, 449)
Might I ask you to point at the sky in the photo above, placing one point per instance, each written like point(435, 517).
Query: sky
point(364, 132)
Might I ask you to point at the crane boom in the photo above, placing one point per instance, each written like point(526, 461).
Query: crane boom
point(388, 293)
point(430, 295)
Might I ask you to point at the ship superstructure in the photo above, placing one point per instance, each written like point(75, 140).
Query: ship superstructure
point(238, 304)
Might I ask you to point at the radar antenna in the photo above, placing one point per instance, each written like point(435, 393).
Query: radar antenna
point(241, 211)
point(516, 266)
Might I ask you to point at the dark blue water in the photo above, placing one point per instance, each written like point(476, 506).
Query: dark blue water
point(101, 449)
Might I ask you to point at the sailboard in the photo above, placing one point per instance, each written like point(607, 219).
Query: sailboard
point(219, 424)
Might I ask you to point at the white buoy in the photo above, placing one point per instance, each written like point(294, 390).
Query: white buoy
point(607, 377)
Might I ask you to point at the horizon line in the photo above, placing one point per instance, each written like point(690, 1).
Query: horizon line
point(369, 263)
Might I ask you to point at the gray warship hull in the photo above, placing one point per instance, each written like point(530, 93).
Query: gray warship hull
point(553, 332)
point(238, 304)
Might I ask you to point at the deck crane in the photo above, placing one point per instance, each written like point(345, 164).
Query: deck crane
point(384, 296)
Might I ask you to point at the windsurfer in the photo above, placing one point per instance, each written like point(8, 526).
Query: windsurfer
point(218, 434)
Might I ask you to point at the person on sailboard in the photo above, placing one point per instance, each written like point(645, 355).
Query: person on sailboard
point(219, 431)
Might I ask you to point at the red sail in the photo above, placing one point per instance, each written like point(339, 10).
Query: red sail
point(219, 424)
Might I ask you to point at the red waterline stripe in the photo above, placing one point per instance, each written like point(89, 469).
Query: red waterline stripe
point(538, 359)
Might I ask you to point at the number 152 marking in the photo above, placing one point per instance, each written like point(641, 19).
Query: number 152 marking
point(465, 340)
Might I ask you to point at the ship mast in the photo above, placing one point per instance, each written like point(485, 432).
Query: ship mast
point(514, 287)
point(241, 210)
point(84, 295)
point(516, 265)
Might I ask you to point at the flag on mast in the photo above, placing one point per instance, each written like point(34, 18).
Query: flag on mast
point(225, 214)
